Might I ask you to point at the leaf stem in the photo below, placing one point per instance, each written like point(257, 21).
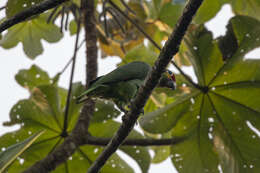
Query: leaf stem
point(98, 141)
point(68, 63)
point(66, 114)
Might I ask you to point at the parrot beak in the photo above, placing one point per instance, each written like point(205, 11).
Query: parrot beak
point(171, 84)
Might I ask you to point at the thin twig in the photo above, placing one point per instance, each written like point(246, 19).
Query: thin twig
point(65, 123)
point(52, 14)
point(135, 142)
point(56, 16)
point(186, 76)
point(153, 42)
point(170, 48)
point(85, 156)
point(34, 10)
point(127, 7)
point(105, 16)
point(68, 63)
point(1, 8)
point(111, 12)
point(62, 18)
point(67, 21)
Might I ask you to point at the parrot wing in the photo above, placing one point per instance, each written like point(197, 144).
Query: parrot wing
point(133, 71)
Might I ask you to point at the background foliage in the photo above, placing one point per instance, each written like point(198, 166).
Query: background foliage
point(219, 116)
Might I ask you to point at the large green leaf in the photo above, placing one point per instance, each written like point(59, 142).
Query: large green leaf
point(30, 33)
point(12, 152)
point(163, 119)
point(221, 119)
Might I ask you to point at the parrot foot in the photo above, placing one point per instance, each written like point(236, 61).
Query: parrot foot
point(129, 106)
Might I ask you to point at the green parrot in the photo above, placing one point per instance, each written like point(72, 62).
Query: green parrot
point(121, 85)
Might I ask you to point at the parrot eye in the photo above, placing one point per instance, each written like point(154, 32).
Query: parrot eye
point(169, 72)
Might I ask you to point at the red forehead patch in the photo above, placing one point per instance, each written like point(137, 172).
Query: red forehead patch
point(173, 77)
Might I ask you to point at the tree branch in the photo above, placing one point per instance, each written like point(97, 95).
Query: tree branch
point(88, 10)
point(69, 146)
point(170, 48)
point(36, 9)
point(92, 140)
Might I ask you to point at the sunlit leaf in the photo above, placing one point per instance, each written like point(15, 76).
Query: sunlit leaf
point(221, 118)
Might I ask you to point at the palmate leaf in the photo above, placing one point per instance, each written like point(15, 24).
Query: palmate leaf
point(221, 120)
point(12, 152)
point(44, 110)
point(30, 33)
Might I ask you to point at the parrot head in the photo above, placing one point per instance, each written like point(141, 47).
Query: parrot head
point(168, 80)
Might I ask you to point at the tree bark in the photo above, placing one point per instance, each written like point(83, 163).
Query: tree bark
point(68, 147)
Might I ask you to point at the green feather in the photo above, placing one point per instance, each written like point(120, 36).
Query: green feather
point(120, 85)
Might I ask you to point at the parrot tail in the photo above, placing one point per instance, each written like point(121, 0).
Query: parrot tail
point(85, 95)
point(89, 93)
point(81, 99)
